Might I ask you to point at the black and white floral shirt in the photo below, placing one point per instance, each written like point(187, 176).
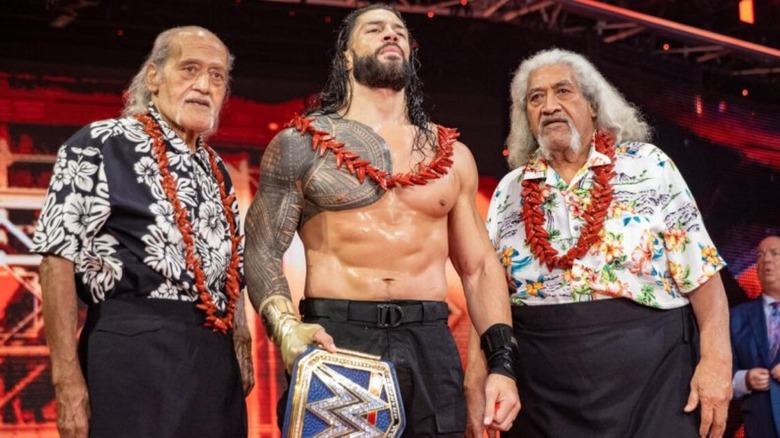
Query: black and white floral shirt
point(106, 211)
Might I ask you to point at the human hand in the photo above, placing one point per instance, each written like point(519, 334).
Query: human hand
point(776, 372)
point(73, 410)
point(291, 335)
point(711, 386)
point(757, 379)
point(296, 338)
point(242, 343)
point(502, 403)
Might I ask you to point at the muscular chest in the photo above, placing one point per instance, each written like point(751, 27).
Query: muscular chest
point(332, 184)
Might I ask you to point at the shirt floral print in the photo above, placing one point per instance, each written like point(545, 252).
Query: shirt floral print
point(106, 211)
point(653, 248)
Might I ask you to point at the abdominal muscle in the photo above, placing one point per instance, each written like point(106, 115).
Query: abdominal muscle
point(376, 253)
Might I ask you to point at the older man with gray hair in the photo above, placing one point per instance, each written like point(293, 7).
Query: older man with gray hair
point(141, 223)
point(617, 304)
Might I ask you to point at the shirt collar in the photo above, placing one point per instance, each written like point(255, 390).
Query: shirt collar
point(768, 300)
point(169, 134)
point(538, 166)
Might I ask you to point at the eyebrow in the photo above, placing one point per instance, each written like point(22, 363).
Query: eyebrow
point(207, 64)
point(555, 85)
point(381, 22)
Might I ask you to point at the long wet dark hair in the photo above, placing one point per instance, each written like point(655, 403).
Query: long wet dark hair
point(336, 96)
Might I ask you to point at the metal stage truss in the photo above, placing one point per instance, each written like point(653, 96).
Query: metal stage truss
point(613, 24)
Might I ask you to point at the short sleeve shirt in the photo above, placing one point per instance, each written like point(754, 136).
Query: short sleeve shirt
point(653, 248)
point(106, 211)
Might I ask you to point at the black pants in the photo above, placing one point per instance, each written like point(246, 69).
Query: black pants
point(421, 347)
point(604, 369)
point(153, 370)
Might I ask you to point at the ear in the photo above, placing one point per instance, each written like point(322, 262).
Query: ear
point(593, 111)
point(349, 59)
point(152, 79)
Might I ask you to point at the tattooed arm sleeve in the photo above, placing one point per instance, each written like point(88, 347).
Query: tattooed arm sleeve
point(274, 216)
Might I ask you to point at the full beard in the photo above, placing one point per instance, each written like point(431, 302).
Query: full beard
point(368, 71)
point(574, 141)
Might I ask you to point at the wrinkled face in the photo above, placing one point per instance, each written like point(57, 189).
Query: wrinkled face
point(378, 53)
point(559, 115)
point(768, 264)
point(190, 89)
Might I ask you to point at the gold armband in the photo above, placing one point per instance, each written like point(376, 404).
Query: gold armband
point(276, 310)
point(285, 329)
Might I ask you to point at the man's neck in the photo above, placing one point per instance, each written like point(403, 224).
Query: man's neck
point(772, 293)
point(567, 163)
point(190, 138)
point(378, 108)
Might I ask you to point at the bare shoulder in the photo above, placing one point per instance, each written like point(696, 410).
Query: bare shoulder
point(288, 154)
point(288, 140)
point(463, 161)
point(461, 155)
point(463, 165)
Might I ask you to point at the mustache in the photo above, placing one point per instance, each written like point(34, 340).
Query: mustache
point(386, 45)
point(203, 100)
point(546, 120)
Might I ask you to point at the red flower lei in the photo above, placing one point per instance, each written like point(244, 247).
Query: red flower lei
point(323, 141)
point(537, 237)
point(213, 321)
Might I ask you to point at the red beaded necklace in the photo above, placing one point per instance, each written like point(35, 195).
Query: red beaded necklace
point(324, 141)
point(207, 304)
point(537, 237)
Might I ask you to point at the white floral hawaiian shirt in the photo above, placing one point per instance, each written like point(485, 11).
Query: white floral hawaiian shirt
point(653, 248)
point(106, 211)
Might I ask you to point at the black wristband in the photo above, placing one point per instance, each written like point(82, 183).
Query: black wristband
point(501, 350)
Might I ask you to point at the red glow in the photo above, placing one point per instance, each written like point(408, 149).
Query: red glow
point(327, 19)
point(431, 14)
point(666, 46)
point(745, 92)
point(120, 32)
point(505, 152)
point(749, 281)
point(51, 105)
point(464, 2)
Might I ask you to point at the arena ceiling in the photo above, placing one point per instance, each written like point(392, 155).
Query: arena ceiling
point(701, 30)
point(704, 31)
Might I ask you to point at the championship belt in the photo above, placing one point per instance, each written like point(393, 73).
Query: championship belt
point(342, 394)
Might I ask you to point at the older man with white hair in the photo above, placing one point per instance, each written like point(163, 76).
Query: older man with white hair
point(612, 276)
point(141, 223)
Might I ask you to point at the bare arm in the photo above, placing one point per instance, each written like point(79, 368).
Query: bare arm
point(242, 342)
point(487, 298)
point(711, 382)
point(471, 253)
point(271, 222)
point(272, 219)
point(60, 313)
point(474, 386)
